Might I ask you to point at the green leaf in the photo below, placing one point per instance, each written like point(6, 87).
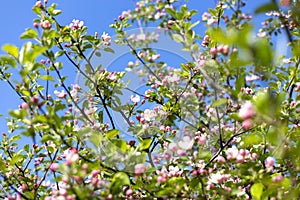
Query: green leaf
point(211, 66)
point(257, 190)
point(107, 49)
point(56, 12)
point(145, 144)
point(16, 158)
point(219, 102)
point(266, 7)
point(59, 53)
point(119, 145)
point(252, 139)
point(177, 38)
point(11, 50)
point(100, 116)
point(172, 12)
point(14, 138)
point(213, 12)
point(7, 60)
point(119, 180)
point(47, 78)
point(194, 24)
point(29, 34)
point(239, 83)
point(112, 133)
point(98, 54)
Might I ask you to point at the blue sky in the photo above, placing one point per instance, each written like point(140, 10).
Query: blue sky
point(16, 16)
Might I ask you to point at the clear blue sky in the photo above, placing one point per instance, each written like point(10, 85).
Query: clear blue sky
point(16, 16)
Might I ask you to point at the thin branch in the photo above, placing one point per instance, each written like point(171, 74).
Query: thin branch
point(141, 60)
point(219, 123)
point(225, 145)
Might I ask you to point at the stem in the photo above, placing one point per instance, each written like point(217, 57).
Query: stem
point(219, 123)
point(225, 145)
point(141, 60)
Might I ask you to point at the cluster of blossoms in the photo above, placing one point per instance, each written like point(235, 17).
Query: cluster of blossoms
point(247, 112)
point(277, 20)
point(106, 38)
point(189, 132)
point(209, 19)
point(76, 24)
point(224, 49)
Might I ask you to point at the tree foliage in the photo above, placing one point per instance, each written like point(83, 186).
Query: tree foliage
point(224, 124)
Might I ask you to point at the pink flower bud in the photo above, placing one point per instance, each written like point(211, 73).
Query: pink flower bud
point(240, 158)
point(46, 24)
point(34, 99)
point(213, 51)
point(225, 50)
point(202, 139)
point(35, 25)
point(23, 105)
point(139, 169)
point(254, 156)
point(247, 124)
point(285, 2)
point(39, 4)
point(221, 159)
point(54, 167)
point(129, 192)
point(195, 173)
point(277, 178)
point(61, 94)
point(269, 162)
point(95, 173)
point(220, 49)
point(247, 110)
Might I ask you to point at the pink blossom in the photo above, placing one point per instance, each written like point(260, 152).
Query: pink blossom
point(139, 169)
point(54, 167)
point(61, 94)
point(145, 126)
point(24, 105)
point(71, 156)
point(135, 99)
point(213, 51)
point(76, 24)
point(221, 159)
point(277, 178)
point(202, 139)
point(34, 99)
point(46, 24)
point(161, 179)
point(148, 114)
point(172, 146)
point(285, 2)
point(35, 25)
point(247, 110)
point(240, 158)
point(252, 78)
point(247, 124)
point(106, 38)
point(297, 86)
point(270, 161)
point(205, 16)
point(154, 57)
point(95, 173)
point(254, 156)
point(174, 171)
point(112, 76)
point(129, 192)
point(232, 152)
point(186, 143)
point(39, 4)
